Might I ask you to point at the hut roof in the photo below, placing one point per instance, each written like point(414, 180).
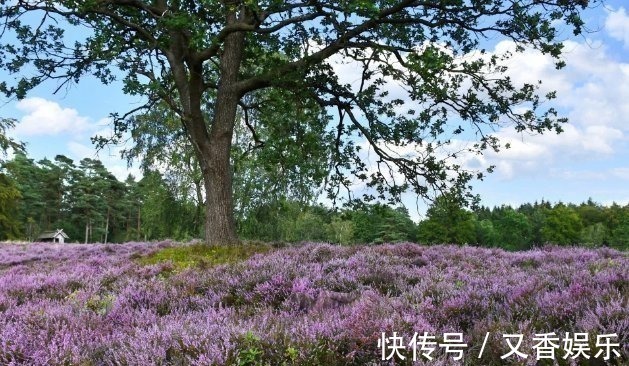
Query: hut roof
point(53, 234)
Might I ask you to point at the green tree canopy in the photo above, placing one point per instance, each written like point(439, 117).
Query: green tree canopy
point(486, 233)
point(380, 223)
point(514, 229)
point(7, 143)
point(9, 192)
point(9, 197)
point(447, 222)
point(619, 220)
point(562, 225)
point(278, 153)
point(203, 59)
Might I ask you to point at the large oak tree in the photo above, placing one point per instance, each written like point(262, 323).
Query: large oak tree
point(204, 58)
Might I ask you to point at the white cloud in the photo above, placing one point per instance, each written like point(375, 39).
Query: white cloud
point(80, 151)
point(531, 66)
point(539, 154)
point(109, 156)
point(617, 24)
point(67, 127)
point(600, 139)
point(592, 92)
point(106, 132)
point(44, 117)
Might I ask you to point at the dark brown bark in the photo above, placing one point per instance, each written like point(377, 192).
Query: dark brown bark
point(212, 147)
point(220, 227)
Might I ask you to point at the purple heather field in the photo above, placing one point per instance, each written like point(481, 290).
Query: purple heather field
point(312, 304)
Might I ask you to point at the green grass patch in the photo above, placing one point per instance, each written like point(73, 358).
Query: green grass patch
point(200, 255)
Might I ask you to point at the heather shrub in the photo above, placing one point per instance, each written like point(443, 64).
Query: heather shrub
point(312, 304)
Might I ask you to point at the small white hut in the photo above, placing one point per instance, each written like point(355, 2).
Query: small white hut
point(57, 236)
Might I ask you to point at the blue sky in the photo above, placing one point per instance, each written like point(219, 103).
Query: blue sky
point(590, 159)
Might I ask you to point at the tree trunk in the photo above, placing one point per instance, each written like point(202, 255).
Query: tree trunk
point(107, 226)
point(214, 158)
point(198, 210)
point(220, 228)
point(138, 237)
point(213, 147)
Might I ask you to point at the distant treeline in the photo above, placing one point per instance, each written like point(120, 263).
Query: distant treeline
point(91, 205)
point(529, 225)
